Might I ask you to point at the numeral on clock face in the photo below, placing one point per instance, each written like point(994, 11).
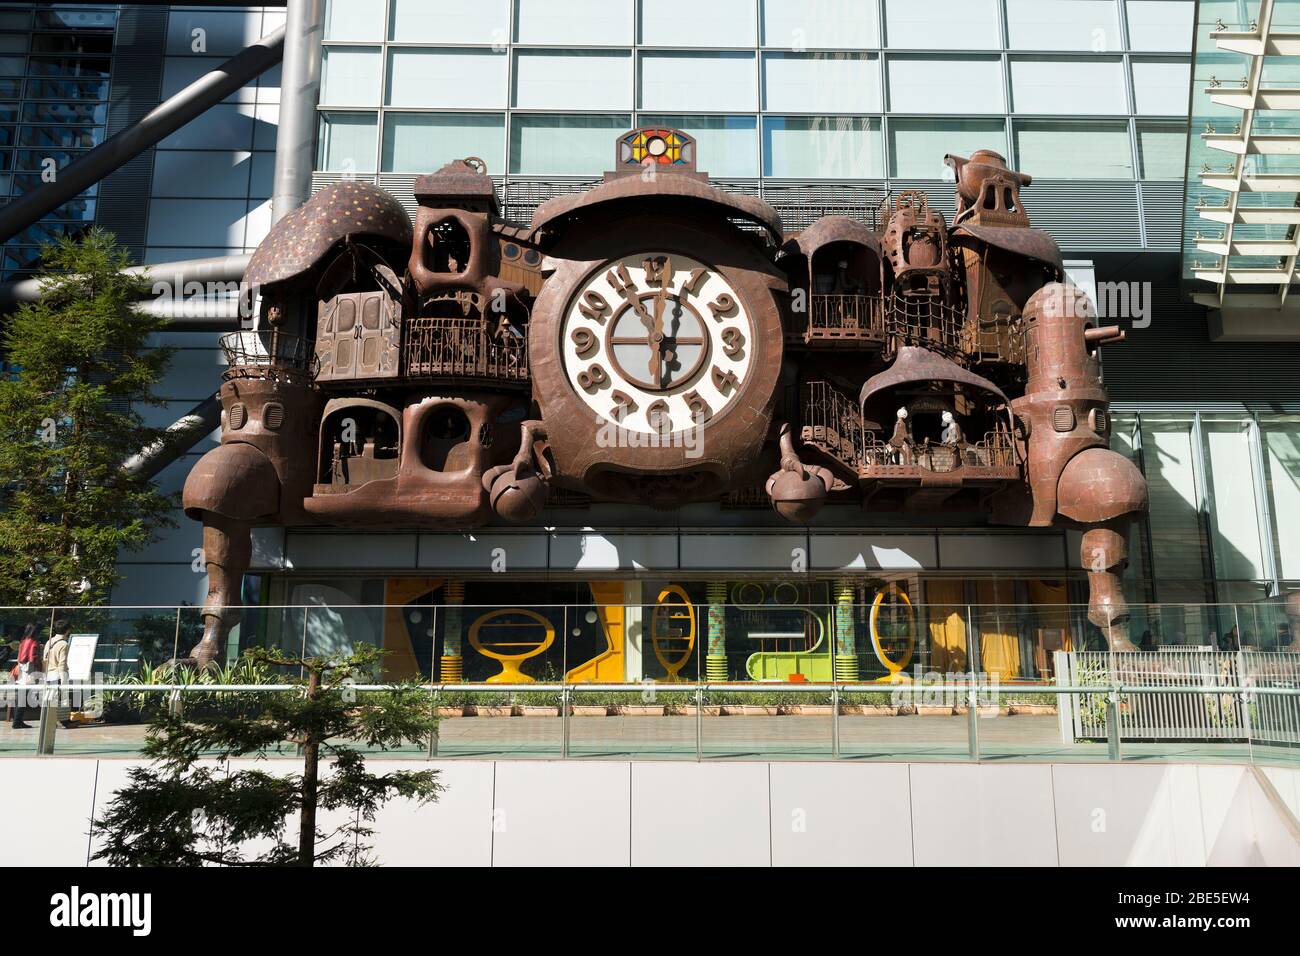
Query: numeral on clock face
point(725, 381)
point(722, 306)
point(594, 306)
point(584, 342)
point(623, 406)
point(593, 378)
point(733, 340)
point(658, 417)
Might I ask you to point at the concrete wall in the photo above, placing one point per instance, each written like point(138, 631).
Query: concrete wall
point(524, 812)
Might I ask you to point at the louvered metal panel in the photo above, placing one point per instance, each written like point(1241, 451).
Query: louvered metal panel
point(136, 89)
point(1173, 360)
point(1162, 210)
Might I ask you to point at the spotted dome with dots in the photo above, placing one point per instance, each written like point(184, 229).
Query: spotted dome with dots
point(301, 239)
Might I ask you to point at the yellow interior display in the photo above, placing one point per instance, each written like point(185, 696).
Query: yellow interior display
point(892, 659)
point(946, 609)
point(1052, 624)
point(607, 665)
point(673, 630)
point(399, 656)
point(511, 641)
point(999, 640)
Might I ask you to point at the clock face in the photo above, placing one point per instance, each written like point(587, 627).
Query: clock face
point(657, 342)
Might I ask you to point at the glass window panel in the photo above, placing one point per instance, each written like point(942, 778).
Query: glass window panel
point(1230, 477)
point(821, 147)
point(350, 76)
point(82, 66)
point(355, 20)
point(942, 25)
point(1051, 86)
point(697, 81)
point(85, 114)
point(917, 147)
point(573, 79)
point(63, 89)
point(821, 83)
point(450, 21)
point(465, 78)
point(423, 142)
point(725, 145)
point(691, 23)
point(1051, 149)
point(964, 84)
point(347, 142)
point(1162, 150)
point(545, 144)
point(1161, 87)
point(1177, 540)
point(1160, 25)
point(56, 137)
point(805, 24)
point(1063, 25)
point(574, 22)
point(1282, 474)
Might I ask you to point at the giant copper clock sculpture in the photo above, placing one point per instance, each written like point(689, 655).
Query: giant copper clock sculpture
point(658, 340)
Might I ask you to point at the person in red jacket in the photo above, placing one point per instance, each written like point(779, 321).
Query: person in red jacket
point(28, 666)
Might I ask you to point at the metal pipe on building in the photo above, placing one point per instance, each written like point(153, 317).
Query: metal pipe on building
point(177, 439)
point(178, 277)
point(295, 141)
point(169, 116)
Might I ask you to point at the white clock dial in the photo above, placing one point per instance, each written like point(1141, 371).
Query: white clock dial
point(657, 342)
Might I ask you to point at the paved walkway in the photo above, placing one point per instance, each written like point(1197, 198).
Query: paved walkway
point(888, 738)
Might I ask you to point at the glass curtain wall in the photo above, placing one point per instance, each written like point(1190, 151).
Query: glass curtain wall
point(1224, 521)
point(55, 66)
point(774, 89)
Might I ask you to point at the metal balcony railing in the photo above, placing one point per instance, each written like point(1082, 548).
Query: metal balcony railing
point(464, 348)
point(270, 355)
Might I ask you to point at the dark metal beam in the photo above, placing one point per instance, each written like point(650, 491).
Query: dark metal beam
point(179, 437)
point(162, 121)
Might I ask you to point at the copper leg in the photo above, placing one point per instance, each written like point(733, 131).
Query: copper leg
point(1105, 555)
point(227, 550)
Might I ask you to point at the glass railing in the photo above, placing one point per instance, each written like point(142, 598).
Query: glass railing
point(687, 679)
point(907, 722)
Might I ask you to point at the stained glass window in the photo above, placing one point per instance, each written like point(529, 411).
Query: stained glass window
point(666, 147)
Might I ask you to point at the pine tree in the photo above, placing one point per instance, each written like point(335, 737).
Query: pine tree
point(79, 361)
point(192, 807)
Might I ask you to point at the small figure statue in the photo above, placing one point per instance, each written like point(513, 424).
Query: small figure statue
point(845, 284)
point(952, 434)
point(900, 442)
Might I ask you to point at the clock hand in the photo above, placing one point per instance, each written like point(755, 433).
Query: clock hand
point(657, 338)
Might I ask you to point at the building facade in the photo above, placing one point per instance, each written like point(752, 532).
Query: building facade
point(818, 107)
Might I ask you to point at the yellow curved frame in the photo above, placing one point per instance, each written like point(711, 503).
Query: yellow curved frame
point(511, 663)
point(893, 668)
point(673, 668)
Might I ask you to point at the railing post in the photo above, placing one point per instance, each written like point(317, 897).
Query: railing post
point(972, 721)
point(433, 730)
point(48, 725)
point(699, 723)
point(1112, 725)
point(835, 721)
point(564, 718)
